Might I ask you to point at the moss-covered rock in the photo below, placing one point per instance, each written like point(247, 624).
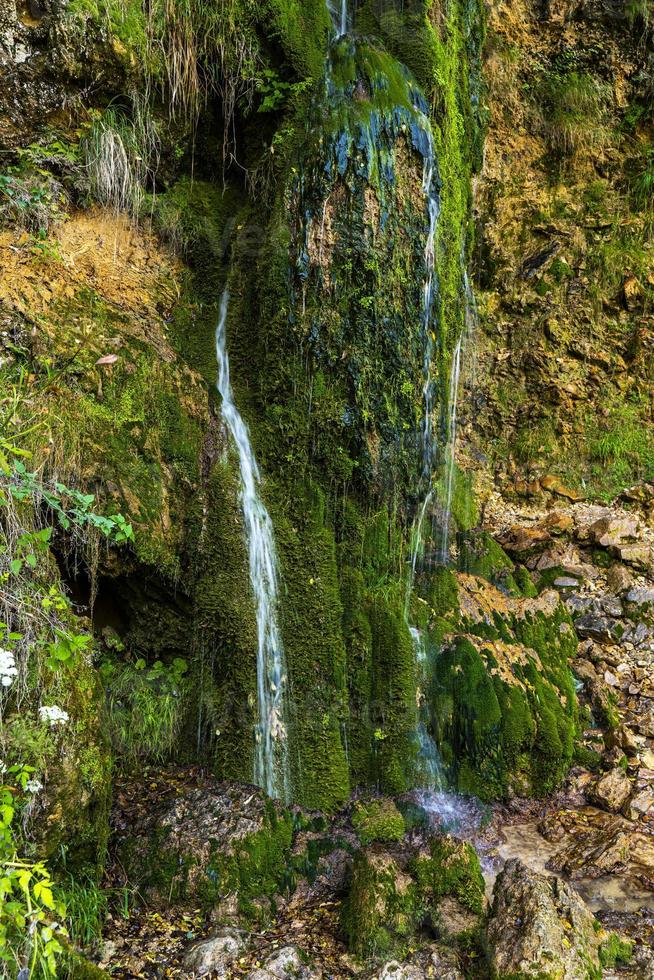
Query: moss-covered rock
point(380, 913)
point(505, 702)
point(449, 868)
point(377, 820)
point(226, 847)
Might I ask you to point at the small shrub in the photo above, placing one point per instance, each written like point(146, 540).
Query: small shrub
point(146, 706)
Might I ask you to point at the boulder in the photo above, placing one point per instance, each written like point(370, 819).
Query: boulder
point(215, 954)
point(640, 602)
point(619, 579)
point(637, 555)
point(523, 541)
point(612, 606)
point(595, 627)
point(540, 926)
point(641, 805)
point(286, 963)
point(222, 845)
point(380, 913)
point(611, 791)
point(399, 971)
point(436, 962)
point(596, 843)
point(614, 531)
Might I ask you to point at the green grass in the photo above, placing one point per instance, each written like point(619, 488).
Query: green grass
point(574, 107)
point(86, 910)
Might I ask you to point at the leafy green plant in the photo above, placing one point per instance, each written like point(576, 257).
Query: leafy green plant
point(32, 933)
point(70, 507)
point(146, 705)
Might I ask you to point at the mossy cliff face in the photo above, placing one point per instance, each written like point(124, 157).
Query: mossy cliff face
point(565, 256)
point(324, 256)
point(326, 340)
point(503, 702)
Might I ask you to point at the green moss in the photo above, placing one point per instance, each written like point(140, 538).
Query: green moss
point(254, 868)
point(481, 555)
point(443, 591)
point(451, 868)
point(495, 734)
point(616, 951)
point(380, 913)
point(377, 820)
point(256, 871)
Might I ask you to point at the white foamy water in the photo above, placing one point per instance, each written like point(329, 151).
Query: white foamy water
point(271, 769)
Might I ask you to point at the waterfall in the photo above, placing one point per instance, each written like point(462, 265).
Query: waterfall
point(339, 15)
point(464, 344)
point(450, 460)
point(271, 769)
point(430, 769)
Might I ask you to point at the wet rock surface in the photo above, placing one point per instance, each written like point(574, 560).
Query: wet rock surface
point(540, 924)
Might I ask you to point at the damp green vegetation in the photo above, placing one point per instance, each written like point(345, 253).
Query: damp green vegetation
point(390, 898)
point(512, 725)
point(146, 706)
point(450, 868)
point(616, 951)
point(380, 913)
point(377, 820)
point(254, 870)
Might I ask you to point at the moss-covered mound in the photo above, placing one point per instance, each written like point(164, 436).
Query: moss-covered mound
point(226, 847)
point(395, 892)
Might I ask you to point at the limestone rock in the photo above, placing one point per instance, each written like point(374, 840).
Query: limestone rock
point(540, 925)
point(640, 805)
point(638, 555)
point(210, 843)
point(216, 954)
point(399, 971)
point(640, 600)
point(612, 790)
point(522, 541)
point(614, 531)
point(597, 843)
point(595, 627)
point(284, 964)
point(619, 579)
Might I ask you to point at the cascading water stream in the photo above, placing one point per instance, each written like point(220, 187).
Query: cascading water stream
point(450, 460)
point(339, 15)
point(430, 769)
point(464, 344)
point(271, 764)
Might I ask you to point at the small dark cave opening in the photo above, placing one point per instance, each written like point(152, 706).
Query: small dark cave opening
point(151, 616)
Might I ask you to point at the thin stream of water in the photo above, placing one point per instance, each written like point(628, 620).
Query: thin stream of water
point(271, 763)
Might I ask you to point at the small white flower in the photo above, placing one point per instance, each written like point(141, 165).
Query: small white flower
point(33, 786)
point(8, 668)
point(53, 715)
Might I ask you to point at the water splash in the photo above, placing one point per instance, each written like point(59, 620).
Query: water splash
point(339, 15)
point(271, 768)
